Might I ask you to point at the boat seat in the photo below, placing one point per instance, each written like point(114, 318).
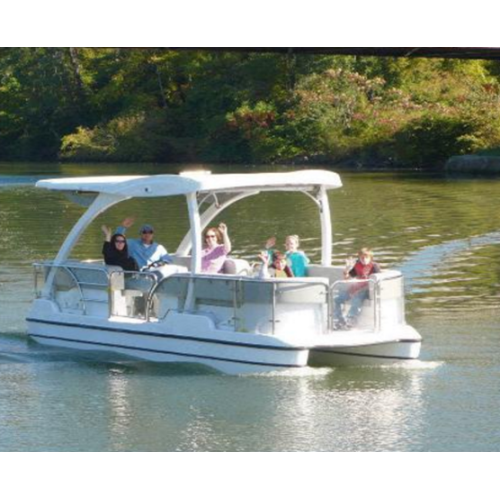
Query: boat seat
point(332, 273)
point(181, 260)
point(301, 290)
point(63, 281)
point(91, 274)
point(116, 277)
point(241, 267)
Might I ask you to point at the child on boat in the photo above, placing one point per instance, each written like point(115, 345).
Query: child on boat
point(361, 269)
point(296, 259)
point(278, 268)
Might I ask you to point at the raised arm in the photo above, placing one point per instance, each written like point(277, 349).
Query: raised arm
point(127, 223)
point(225, 237)
point(107, 233)
point(264, 268)
point(349, 264)
point(271, 242)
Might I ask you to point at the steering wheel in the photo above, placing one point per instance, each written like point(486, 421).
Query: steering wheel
point(155, 265)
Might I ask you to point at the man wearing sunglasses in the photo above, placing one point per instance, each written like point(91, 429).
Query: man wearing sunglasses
point(144, 250)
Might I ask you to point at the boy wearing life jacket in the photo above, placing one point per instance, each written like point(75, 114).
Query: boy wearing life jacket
point(361, 269)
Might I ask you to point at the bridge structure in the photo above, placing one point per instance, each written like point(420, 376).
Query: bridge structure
point(443, 52)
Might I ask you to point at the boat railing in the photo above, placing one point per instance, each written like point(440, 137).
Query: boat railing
point(236, 302)
point(343, 296)
point(77, 285)
point(71, 280)
point(383, 300)
point(129, 292)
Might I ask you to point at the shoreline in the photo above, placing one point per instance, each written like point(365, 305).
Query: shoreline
point(348, 165)
point(473, 165)
point(478, 165)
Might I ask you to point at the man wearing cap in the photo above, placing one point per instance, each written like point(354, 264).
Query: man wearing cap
point(144, 250)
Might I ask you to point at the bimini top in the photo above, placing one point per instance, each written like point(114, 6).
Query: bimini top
point(195, 182)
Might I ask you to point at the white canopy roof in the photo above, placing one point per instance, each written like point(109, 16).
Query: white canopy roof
point(193, 182)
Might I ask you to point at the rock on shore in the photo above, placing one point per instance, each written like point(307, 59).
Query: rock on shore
point(473, 164)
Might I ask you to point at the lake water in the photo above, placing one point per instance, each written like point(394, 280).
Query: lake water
point(442, 233)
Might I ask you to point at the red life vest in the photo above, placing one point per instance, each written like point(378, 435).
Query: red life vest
point(363, 272)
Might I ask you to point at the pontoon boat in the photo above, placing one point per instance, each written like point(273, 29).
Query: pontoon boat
point(233, 322)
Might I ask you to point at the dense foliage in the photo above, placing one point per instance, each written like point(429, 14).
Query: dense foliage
point(163, 105)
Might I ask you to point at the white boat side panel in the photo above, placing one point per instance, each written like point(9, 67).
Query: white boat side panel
point(198, 343)
point(227, 367)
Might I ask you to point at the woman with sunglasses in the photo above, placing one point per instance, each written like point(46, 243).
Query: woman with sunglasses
point(115, 251)
point(217, 246)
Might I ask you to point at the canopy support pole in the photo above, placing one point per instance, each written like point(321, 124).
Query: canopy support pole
point(100, 204)
point(210, 213)
point(326, 228)
point(195, 232)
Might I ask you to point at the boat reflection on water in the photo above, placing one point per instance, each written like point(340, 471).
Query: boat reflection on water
point(325, 409)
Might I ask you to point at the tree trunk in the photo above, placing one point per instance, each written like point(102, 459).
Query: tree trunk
point(76, 70)
point(160, 85)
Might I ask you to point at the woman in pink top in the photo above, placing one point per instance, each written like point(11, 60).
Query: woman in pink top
point(217, 246)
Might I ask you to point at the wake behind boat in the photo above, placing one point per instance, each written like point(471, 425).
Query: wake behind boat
point(233, 322)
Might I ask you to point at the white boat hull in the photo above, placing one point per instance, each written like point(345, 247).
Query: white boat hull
point(226, 358)
point(228, 352)
point(366, 348)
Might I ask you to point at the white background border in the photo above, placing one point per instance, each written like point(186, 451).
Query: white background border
point(247, 24)
point(259, 23)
